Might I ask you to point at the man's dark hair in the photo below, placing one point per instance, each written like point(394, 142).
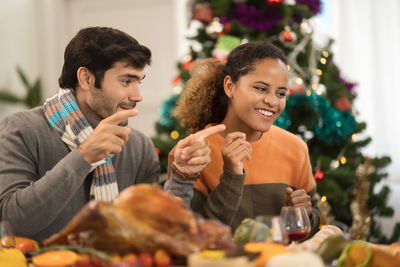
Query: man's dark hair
point(97, 49)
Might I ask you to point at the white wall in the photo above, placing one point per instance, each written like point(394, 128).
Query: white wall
point(38, 31)
point(18, 46)
point(367, 35)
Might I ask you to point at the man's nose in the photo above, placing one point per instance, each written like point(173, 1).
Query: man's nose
point(135, 95)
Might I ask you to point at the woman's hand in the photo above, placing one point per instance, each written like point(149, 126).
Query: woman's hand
point(298, 198)
point(192, 153)
point(235, 149)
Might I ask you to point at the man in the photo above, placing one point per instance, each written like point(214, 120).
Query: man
point(76, 147)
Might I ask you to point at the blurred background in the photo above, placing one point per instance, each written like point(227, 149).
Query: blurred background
point(34, 34)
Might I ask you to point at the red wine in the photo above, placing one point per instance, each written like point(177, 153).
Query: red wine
point(295, 236)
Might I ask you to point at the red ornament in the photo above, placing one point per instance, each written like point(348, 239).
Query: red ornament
point(227, 27)
point(187, 65)
point(343, 104)
point(203, 12)
point(176, 80)
point(157, 151)
point(319, 175)
point(274, 3)
point(287, 36)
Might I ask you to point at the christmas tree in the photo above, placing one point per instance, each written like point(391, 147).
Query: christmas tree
point(318, 109)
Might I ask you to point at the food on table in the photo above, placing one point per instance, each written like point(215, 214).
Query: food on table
point(266, 250)
point(295, 258)
point(143, 218)
point(331, 247)
point(216, 258)
point(248, 228)
point(162, 258)
point(355, 254)
point(12, 257)
point(313, 243)
point(385, 255)
point(55, 258)
point(26, 244)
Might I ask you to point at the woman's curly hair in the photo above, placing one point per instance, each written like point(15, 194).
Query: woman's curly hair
point(204, 100)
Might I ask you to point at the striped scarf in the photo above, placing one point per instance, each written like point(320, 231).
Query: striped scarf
point(66, 118)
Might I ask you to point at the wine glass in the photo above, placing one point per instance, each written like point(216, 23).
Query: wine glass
point(296, 222)
point(6, 235)
point(268, 228)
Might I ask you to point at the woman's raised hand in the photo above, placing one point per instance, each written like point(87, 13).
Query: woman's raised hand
point(235, 149)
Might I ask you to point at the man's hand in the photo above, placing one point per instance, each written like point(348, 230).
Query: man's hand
point(107, 138)
point(192, 154)
point(298, 198)
point(234, 150)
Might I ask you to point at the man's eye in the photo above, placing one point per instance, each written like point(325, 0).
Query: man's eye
point(126, 82)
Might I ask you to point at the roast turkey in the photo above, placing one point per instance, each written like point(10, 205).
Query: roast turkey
point(143, 218)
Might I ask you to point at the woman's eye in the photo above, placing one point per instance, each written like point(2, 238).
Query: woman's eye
point(282, 94)
point(261, 89)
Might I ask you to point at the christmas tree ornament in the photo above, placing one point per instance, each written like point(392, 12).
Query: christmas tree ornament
point(321, 90)
point(295, 84)
point(244, 41)
point(305, 28)
point(227, 28)
point(274, 3)
point(174, 134)
point(319, 175)
point(225, 44)
point(214, 28)
point(287, 37)
point(290, 2)
point(176, 80)
point(203, 12)
point(187, 65)
point(343, 104)
point(185, 58)
point(326, 216)
point(359, 205)
point(177, 89)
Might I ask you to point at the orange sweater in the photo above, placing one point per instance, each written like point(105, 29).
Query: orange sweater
point(277, 157)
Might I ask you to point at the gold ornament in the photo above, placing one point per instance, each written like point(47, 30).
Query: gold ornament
point(325, 208)
point(358, 207)
point(214, 28)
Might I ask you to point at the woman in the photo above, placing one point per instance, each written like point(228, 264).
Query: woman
point(256, 167)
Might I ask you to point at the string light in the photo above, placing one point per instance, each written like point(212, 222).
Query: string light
point(314, 86)
point(174, 134)
point(299, 80)
point(343, 160)
point(323, 198)
point(319, 72)
point(353, 137)
point(308, 92)
point(288, 67)
point(325, 53)
point(336, 164)
point(322, 60)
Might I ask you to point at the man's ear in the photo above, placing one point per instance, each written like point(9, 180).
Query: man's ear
point(85, 78)
point(228, 86)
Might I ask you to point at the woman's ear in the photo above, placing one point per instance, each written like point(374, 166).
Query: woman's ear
point(85, 78)
point(228, 86)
